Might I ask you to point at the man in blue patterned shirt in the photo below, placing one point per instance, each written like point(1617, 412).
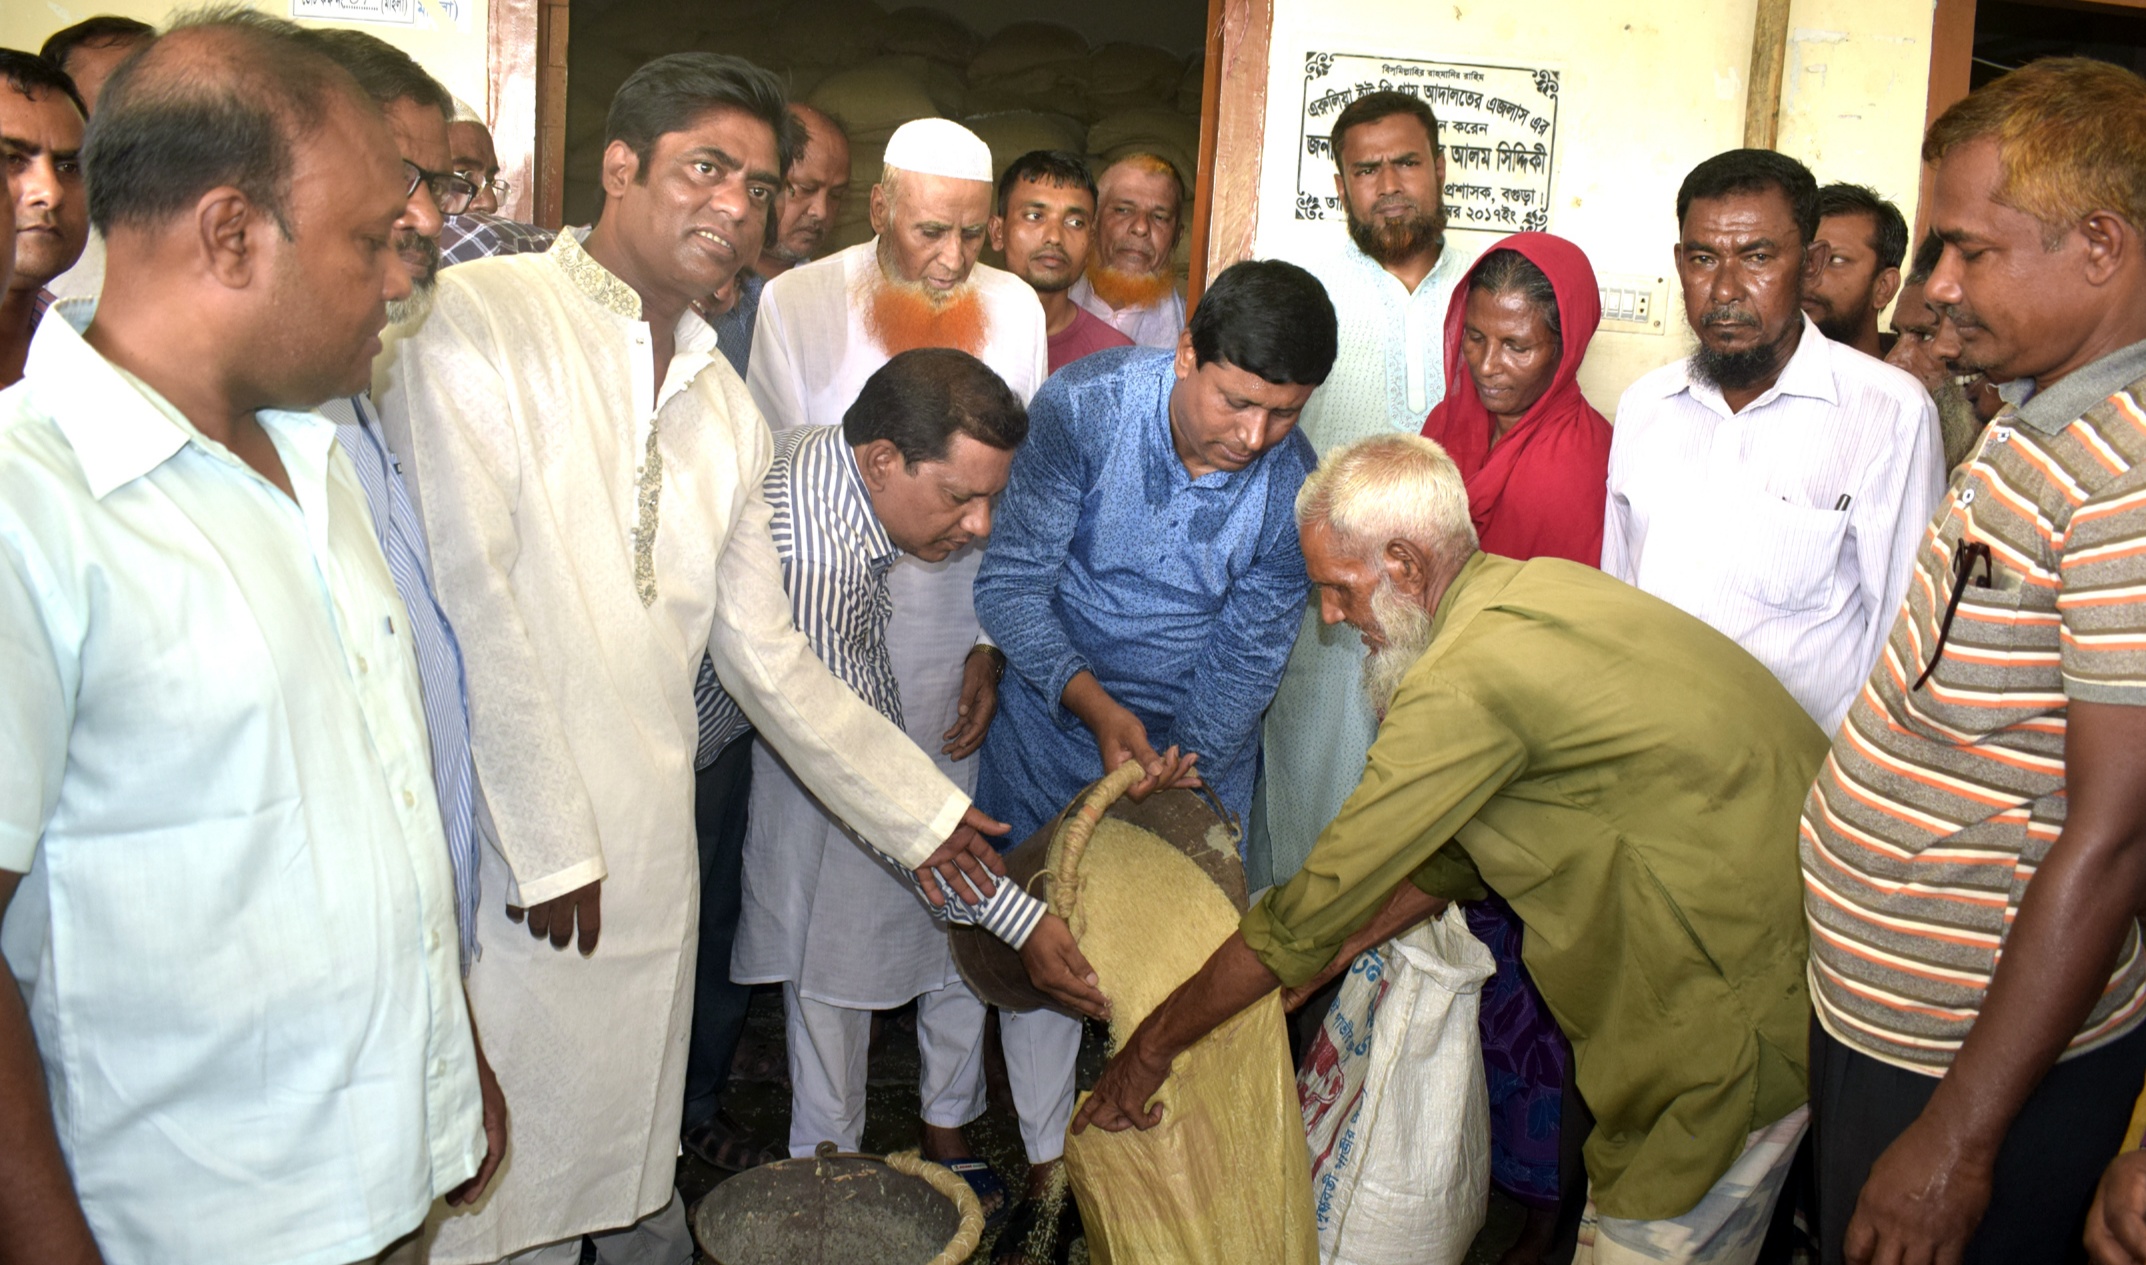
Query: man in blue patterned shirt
point(1146, 585)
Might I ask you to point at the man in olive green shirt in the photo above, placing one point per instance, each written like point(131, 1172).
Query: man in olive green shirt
point(1626, 777)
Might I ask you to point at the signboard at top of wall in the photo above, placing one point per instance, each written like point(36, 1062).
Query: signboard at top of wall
point(1497, 124)
point(390, 12)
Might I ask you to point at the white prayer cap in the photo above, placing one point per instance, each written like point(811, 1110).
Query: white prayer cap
point(465, 113)
point(939, 147)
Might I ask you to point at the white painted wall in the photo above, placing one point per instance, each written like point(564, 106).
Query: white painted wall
point(449, 38)
point(1648, 90)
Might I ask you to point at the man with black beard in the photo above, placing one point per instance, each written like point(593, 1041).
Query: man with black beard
point(1390, 283)
point(1866, 244)
point(1774, 483)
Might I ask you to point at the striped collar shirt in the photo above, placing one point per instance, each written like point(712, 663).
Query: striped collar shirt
point(1790, 525)
point(439, 657)
point(835, 559)
point(478, 235)
point(1937, 804)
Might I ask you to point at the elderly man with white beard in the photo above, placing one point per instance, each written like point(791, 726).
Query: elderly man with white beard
point(1626, 777)
point(865, 943)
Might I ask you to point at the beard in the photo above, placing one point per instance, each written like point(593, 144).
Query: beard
point(1745, 367)
point(1406, 629)
point(1958, 424)
point(1389, 241)
point(903, 316)
point(413, 310)
point(1122, 290)
point(1838, 329)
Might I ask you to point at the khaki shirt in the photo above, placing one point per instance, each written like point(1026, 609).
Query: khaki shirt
point(1628, 779)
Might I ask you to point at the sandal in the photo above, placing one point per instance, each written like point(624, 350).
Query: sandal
point(992, 1193)
point(720, 1141)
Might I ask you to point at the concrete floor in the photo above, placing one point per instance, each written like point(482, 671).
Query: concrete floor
point(760, 1099)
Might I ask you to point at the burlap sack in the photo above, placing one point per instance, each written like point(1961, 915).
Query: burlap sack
point(827, 32)
point(919, 31)
point(872, 101)
point(1016, 132)
point(1021, 46)
point(941, 82)
point(1192, 85)
point(1126, 76)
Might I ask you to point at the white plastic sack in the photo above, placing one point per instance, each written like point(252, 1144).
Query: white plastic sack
point(1395, 1107)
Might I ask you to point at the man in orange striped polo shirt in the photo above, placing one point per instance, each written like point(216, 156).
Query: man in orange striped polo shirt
point(1974, 851)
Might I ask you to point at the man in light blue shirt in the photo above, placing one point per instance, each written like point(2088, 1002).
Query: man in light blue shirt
point(418, 111)
point(237, 1032)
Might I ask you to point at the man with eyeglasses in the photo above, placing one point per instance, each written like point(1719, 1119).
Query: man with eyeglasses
point(476, 159)
point(417, 109)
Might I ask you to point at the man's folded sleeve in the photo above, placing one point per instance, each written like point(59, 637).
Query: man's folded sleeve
point(1439, 757)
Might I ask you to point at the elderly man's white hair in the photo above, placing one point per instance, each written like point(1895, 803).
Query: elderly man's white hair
point(1386, 488)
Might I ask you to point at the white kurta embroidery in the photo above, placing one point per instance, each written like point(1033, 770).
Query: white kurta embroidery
point(522, 409)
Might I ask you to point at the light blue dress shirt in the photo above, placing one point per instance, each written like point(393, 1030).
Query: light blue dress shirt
point(236, 933)
point(1181, 595)
point(439, 655)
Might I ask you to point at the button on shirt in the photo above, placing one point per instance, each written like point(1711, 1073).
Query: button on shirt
point(439, 656)
point(236, 933)
point(1792, 525)
point(1939, 804)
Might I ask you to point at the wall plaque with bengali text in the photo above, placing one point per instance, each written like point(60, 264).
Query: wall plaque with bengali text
point(1497, 125)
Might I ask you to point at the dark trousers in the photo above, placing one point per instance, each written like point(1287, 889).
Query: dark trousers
point(720, 794)
point(2046, 1170)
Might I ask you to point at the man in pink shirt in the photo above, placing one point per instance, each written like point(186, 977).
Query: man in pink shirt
point(1046, 213)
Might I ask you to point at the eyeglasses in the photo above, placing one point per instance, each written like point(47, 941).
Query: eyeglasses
point(452, 193)
point(1963, 564)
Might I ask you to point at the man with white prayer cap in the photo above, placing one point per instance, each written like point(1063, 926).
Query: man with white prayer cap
point(844, 934)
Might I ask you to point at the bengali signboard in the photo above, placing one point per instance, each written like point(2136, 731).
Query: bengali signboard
point(393, 12)
point(1498, 125)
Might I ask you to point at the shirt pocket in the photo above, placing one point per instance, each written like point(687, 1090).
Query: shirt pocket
point(1791, 554)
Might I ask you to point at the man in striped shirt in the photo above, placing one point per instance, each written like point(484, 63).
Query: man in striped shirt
point(912, 469)
point(1974, 850)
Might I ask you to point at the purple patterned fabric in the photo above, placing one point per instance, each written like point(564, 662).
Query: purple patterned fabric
point(1524, 1060)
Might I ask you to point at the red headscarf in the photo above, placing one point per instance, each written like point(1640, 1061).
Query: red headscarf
point(1539, 491)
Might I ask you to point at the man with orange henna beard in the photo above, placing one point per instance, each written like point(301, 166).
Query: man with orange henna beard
point(840, 937)
point(1132, 276)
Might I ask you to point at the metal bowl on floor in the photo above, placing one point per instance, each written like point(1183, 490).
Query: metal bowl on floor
point(834, 1209)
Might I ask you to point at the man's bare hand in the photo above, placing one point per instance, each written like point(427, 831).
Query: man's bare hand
point(2116, 1228)
point(1119, 736)
point(495, 1131)
point(1922, 1202)
point(979, 703)
point(1405, 906)
point(1121, 1098)
point(558, 917)
point(1057, 966)
point(966, 861)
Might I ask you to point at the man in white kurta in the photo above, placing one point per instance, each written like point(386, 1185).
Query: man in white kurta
point(1388, 378)
point(861, 940)
point(596, 528)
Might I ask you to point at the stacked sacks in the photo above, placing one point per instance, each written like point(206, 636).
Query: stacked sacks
point(934, 33)
point(827, 33)
point(1030, 66)
point(1012, 133)
point(1128, 76)
point(870, 101)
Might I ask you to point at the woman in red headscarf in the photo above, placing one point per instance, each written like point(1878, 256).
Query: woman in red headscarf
point(1535, 456)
